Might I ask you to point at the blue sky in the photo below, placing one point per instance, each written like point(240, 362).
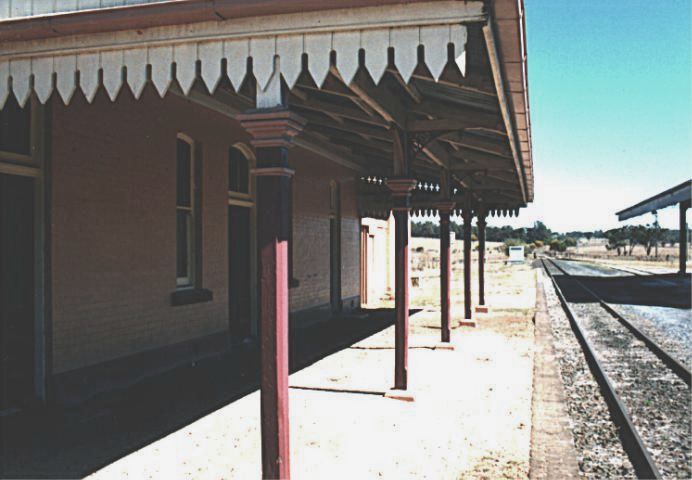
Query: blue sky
point(610, 85)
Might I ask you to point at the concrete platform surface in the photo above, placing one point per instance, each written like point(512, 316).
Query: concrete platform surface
point(471, 417)
point(553, 455)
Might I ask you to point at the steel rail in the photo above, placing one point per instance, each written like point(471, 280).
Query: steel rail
point(669, 360)
point(632, 443)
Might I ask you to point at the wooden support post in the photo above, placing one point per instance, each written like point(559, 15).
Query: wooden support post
point(272, 132)
point(481, 224)
point(683, 237)
point(445, 209)
point(401, 193)
point(467, 215)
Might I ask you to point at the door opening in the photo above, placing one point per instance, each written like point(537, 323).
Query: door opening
point(335, 248)
point(239, 271)
point(17, 287)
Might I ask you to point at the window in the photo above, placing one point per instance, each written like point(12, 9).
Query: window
point(15, 128)
point(188, 206)
point(185, 213)
point(238, 172)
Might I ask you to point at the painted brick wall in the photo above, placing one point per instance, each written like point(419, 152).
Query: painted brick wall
point(311, 230)
point(113, 220)
point(350, 241)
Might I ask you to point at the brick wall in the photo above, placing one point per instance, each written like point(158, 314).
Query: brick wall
point(113, 225)
point(311, 231)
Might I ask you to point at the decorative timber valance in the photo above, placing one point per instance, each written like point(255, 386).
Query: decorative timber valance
point(375, 201)
point(277, 46)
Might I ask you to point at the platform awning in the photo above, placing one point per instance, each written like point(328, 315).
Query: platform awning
point(673, 196)
point(451, 74)
point(270, 41)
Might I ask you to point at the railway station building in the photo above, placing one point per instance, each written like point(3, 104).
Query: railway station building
point(179, 177)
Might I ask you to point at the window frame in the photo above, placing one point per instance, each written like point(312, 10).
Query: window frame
point(190, 280)
point(29, 163)
point(249, 159)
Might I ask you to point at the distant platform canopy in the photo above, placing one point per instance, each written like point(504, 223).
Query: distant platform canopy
point(673, 196)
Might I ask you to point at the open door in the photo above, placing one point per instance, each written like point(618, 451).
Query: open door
point(16, 290)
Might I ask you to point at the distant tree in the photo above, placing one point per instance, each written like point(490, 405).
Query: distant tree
point(425, 229)
point(617, 239)
point(557, 245)
point(644, 235)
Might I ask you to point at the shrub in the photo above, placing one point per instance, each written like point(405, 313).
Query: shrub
point(557, 245)
point(512, 242)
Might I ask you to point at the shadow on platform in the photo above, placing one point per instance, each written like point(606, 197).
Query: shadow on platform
point(74, 442)
point(662, 290)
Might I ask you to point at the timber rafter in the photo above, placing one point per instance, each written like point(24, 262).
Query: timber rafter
point(421, 127)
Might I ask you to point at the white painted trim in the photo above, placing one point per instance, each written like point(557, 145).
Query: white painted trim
point(189, 280)
point(275, 43)
point(14, 9)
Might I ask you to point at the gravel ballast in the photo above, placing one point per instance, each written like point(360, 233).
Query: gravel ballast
point(656, 398)
point(668, 327)
point(599, 450)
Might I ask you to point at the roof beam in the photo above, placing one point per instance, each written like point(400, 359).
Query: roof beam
point(473, 156)
point(230, 109)
point(319, 123)
point(479, 143)
point(379, 99)
point(468, 116)
point(451, 124)
point(355, 114)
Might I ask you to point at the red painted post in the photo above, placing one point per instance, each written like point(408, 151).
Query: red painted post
point(467, 216)
point(401, 193)
point(481, 224)
point(271, 133)
point(445, 209)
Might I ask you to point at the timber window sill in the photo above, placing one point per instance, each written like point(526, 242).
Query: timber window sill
point(189, 296)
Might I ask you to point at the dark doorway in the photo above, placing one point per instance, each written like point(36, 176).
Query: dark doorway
point(239, 271)
point(335, 268)
point(16, 290)
point(335, 247)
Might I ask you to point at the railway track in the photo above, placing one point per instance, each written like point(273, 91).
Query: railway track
point(627, 372)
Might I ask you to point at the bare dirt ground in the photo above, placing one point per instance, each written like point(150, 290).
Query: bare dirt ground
point(471, 417)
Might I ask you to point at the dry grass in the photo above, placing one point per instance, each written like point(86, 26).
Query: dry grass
point(508, 288)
